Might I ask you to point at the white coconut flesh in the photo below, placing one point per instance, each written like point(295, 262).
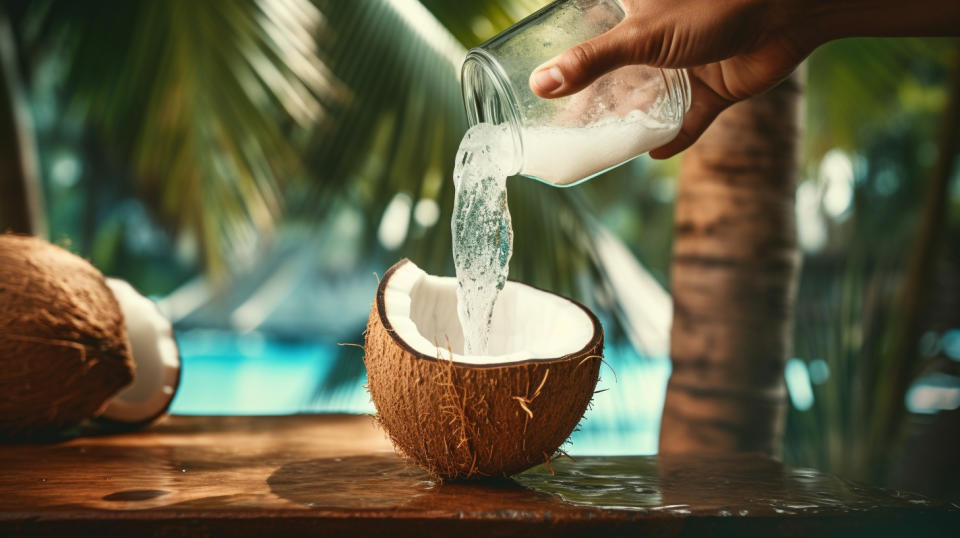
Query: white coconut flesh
point(155, 355)
point(528, 324)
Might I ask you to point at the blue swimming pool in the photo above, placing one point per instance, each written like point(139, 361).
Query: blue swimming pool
point(252, 374)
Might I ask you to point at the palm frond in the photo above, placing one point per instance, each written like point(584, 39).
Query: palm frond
point(855, 85)
point(202, 98)
point(399, 134)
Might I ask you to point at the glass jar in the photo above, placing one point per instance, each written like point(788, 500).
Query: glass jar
point(568, 140)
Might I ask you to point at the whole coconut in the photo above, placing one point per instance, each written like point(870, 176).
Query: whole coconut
point(63, 346)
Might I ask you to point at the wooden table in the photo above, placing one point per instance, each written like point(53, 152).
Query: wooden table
point(337, 474)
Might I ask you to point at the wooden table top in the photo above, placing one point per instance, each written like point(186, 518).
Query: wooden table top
point(337, 474)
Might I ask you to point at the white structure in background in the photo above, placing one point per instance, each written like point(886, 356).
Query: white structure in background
point(298, 289)
point(829, 195)
point(395, 221)
point(186, 299)
point(836, 178)
point(811, 227)
point(646, 308)
point(933, 393)
point(426, 213)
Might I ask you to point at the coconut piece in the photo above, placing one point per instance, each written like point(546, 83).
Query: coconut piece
point(463, 416)
point(63, 346)
point(156, 360)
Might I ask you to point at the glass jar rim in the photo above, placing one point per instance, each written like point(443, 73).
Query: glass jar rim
point(493, 72)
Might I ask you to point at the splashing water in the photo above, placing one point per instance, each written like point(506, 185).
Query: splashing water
point(482, 234)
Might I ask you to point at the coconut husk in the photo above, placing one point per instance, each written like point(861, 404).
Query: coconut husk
point(63, 346)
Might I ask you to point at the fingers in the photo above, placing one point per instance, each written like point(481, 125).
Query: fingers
point(580, 65)
point(706, 105)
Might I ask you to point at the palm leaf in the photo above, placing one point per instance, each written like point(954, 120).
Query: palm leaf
point(474, 22)
point(201, 98)
point(400, 131)
point(207, 100)
point(855, 85)
point(398, 134)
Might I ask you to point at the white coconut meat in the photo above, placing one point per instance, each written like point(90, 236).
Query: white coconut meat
point(155, 355)
point(528, 324)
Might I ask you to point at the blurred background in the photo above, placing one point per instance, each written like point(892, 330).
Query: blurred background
point(252, 165)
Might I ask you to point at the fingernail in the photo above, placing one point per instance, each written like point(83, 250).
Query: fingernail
point(547, 80)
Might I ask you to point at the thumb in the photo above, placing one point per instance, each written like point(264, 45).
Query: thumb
point(581, 64)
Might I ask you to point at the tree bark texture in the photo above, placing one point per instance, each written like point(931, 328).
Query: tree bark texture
point(21, 202)
point(733, 277)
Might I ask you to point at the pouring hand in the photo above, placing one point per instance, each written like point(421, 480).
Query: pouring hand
point(733, 49)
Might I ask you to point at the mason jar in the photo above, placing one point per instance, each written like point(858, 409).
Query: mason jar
point(568, 140)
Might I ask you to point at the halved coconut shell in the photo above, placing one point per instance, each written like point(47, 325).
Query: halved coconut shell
point(469, 416)
point(156, 360)
point(63, 346)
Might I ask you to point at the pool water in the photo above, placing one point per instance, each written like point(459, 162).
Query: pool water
point(227, 373)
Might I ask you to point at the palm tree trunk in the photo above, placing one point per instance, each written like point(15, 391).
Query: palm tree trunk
point(734, 274)
point(21, 206)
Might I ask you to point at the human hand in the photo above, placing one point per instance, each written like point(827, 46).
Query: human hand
point(733, 49)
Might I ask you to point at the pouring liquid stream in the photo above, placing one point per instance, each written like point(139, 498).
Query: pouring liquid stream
point(482, 232)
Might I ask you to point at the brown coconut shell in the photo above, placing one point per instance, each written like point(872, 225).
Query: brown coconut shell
point(464, 421)
point(63, 344)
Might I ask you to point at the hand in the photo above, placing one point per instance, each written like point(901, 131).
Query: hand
point(733, 49)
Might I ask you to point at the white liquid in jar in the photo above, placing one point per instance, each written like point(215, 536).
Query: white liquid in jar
point(564, 155)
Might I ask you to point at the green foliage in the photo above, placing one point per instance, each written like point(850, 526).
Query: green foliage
point(474, 22)
point(229, 113)
point(201, 100)
point(398, 133)
point(856, 86)
point(850, 309)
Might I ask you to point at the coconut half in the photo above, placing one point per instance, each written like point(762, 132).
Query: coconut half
point(63, 345)
point(461, 416)
point(156, 360)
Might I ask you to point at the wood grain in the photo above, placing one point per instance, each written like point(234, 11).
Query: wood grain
point(337, 474)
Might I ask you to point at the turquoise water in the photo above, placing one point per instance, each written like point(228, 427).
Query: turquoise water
point(250, 374)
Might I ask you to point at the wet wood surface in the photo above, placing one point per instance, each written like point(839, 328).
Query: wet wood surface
point(336, 474)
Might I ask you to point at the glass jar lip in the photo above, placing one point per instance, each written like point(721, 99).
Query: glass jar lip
point(491, 68)
point(677, 83)
point(683, 91)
